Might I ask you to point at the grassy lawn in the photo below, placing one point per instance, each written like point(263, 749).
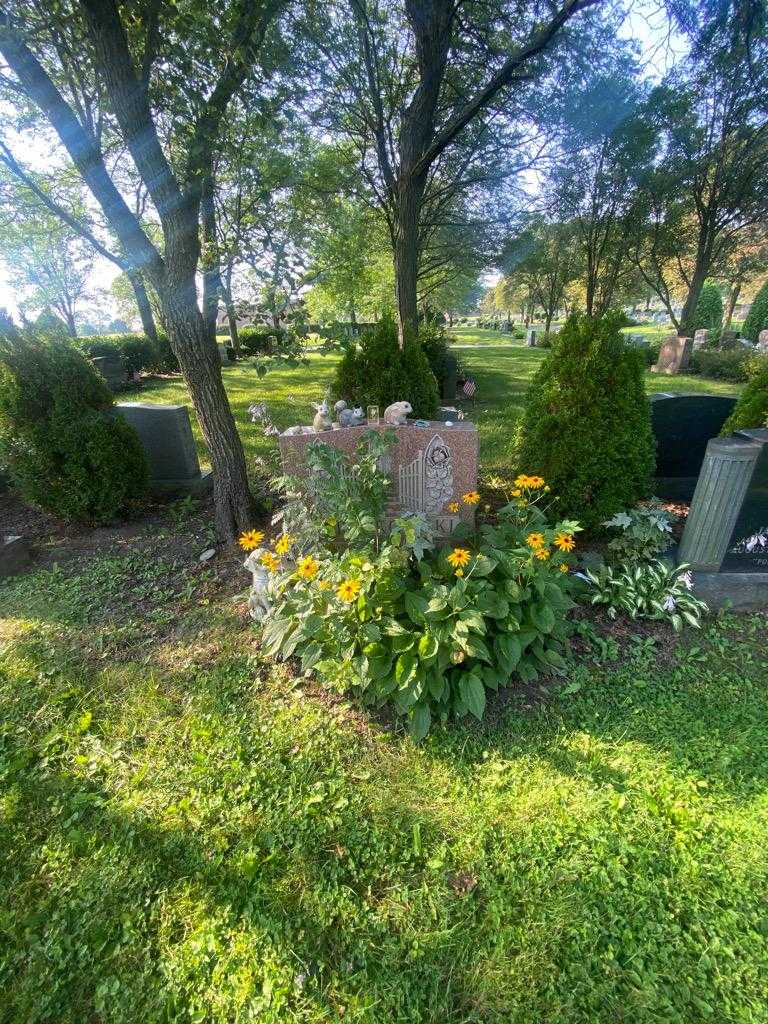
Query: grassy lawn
point(503, 373)
point(189, 834)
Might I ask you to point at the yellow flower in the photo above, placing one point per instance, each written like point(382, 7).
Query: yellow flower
point(522, 481)
point(516, 493)
point(307, 567)
point(535, 540)
point(453, 506)
point(564, 541)
point(459, 557)
point(324, 585)
point(459, 573)
point(348, 590)
point(470, 498)
point(542, 553)
point(283, 543)
point(536, 482)
point(269, 561)
point(251, 539)
point(563, 567)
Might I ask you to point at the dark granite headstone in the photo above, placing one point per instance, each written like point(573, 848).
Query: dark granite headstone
point(166, 435)
point(111, 370)
point(682, 426)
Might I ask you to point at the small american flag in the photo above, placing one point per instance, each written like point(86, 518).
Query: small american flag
point(470, 388)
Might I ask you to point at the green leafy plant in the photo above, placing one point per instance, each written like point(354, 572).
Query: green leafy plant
point(338, 502)
point(734, 364)
point(751, 410)
point(587, 422)
point(135, 351)
point(757, 318)
point(63, 449)
point(428, 630)
point(376, 371)
point(643, 533)
point(708, 314)
point(648, 590)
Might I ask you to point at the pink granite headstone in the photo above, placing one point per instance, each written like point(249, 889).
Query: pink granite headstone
point(674, 355)
point(429, 467)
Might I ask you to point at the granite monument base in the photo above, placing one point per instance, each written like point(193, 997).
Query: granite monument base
point(166, 435)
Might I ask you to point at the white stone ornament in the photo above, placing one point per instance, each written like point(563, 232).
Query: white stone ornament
point(396, 414)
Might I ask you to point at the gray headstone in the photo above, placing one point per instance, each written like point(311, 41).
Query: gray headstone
point(682, 426)
point(638, 340)
point(720, 492)
point(762, 341)
point(14, 555)
point(223, 353)
point(166, 434)
point(111, 370)
point(728, 339)
point(700, 339)
point(530, 338)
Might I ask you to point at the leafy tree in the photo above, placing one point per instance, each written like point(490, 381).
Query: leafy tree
point(413, 86)
point(545, 257)
point(708, 186)
point(153, 82)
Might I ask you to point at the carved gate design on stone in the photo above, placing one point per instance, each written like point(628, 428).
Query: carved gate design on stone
point(426, 485)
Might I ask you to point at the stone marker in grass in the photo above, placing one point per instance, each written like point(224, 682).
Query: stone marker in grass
point(166, 435)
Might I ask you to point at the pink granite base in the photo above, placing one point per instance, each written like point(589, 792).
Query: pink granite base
point(450, 453)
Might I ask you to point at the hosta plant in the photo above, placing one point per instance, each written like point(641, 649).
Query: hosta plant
point(641, 533)
point(649, 590)
point(426, 629)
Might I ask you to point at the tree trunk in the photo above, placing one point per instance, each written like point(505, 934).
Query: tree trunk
point(699, 276)
point(142, 301)
point(406, 252)
point(733, 298)
point(234, 337)
point(194, 345)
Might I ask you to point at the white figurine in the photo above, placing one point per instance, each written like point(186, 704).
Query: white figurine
point(259, 599)
point(396, 414)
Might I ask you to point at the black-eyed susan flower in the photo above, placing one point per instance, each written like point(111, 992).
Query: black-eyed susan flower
point(564, 541)
point(459, 557)
point(283, 543)
point(348, 590)
point(542, 554)
point(563, 567)
point(250, 539)
point(270, 561)
point(470, 498)
point(453, 506)
point(307, 567)
point(535, 540)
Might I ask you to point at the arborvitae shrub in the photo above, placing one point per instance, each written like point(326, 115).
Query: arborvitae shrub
point(376, 371)
point(757, 318)
point(708, 314)
point(751, 410)
point(587, 422)
point(63, 450)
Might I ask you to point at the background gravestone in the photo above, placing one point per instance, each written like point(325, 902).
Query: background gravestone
point(762, 342)
point(166, 435)
point(111, 370)
point(222, 346)
point(728, 339)
point(530, 338)
point(682, 427)
point(674, 355)
point(700, 338)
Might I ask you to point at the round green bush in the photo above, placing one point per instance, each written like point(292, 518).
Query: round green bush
point(751, 410)
point(757, 318)
point(376, 371)
point(587, 422)
point(708, 314)
point(62, 448)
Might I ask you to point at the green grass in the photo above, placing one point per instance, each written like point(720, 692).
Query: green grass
point(188, 834)
point(503, 373)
